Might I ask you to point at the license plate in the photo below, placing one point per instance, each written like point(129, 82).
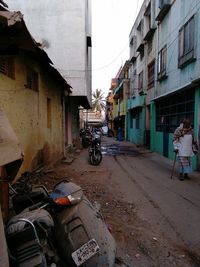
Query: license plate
point(85, 252)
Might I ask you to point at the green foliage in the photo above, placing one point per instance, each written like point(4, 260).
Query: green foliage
point(98, 100)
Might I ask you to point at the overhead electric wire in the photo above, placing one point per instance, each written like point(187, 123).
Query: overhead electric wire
point(114, 59)
point(157, 49)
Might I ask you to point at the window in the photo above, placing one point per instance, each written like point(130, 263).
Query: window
point(48, 113)
point(150, 45)
point(140, 27)
point(131, 41)
point(7, 66)
point(171, 111)
point(162, 61)
point(140, 82)
point(32, 79)
point(186, 43)
point(151, 74)
point(142, 53)
point(147, 14)
point(135, 116)
point(132, 45)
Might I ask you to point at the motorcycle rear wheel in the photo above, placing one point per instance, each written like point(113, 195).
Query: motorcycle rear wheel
point(96, 158)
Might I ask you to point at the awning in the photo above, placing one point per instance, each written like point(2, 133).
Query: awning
point(177, 90)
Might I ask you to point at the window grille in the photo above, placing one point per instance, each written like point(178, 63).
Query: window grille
point(7, 66)
point(172, 110)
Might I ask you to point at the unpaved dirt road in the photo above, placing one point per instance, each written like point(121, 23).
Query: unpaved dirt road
point(155, 220)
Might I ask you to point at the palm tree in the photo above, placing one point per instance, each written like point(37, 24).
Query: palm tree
point(98, 101)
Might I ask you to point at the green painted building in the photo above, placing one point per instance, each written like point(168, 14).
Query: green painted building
point(135, 120)
point(177, 90)
point(164, 73)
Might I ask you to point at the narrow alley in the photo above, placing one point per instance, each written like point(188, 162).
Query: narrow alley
point(69, 81)
point(154, 219)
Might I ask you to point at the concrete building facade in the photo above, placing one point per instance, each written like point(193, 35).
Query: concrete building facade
point(164, 73)
point(120, 96)
point(177, 84)
point(64, 31)
point(142, 42)
point(31, 93)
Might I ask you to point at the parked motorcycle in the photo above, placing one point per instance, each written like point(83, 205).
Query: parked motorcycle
point(85, 135)
point(95, 155)
point(61, 228)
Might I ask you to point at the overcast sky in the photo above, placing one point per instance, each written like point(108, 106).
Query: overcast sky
point(112, 21)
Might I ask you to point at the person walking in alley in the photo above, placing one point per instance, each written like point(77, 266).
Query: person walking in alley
point(185, 145)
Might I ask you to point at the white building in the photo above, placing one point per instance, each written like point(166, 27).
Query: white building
point(63, 28)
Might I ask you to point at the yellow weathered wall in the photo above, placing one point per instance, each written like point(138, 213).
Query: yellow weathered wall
point(26, 110)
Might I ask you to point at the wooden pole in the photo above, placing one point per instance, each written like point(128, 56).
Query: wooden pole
point(174, 163)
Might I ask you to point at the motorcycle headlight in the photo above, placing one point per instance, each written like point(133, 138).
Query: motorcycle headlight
point(72, 199)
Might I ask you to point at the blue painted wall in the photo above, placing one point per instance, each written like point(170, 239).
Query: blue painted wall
point(134, 135)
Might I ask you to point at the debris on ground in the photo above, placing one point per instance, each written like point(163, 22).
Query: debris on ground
point(138, 244)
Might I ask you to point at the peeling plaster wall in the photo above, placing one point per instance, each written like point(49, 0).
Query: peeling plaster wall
point(26, 110)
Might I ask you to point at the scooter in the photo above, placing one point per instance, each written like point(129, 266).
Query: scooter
point(61, 228)
point(95, 155)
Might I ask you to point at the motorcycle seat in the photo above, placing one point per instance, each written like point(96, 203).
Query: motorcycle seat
point(41, 216)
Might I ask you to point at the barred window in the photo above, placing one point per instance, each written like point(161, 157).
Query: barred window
point(172, 110)
point(7, 66)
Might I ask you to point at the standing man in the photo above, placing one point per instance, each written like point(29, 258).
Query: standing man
point(183, 142)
